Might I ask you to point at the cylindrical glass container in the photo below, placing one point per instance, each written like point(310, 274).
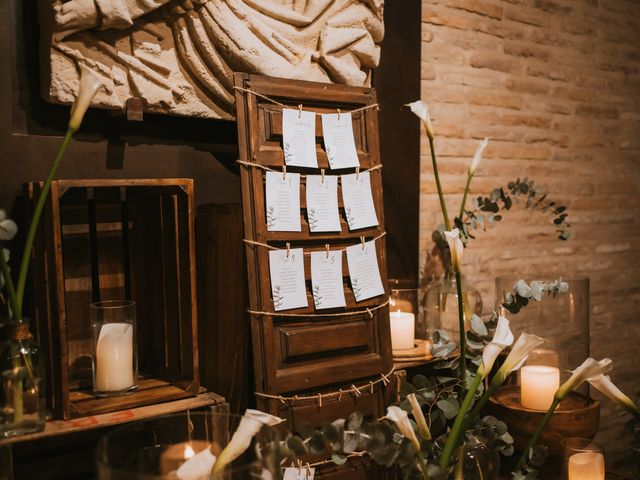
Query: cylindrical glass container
point(562, 320)
point(583, 460)
point(481, 460)
point(155, 449)
point(22, 393)
point(115, 355)
point(441, 306)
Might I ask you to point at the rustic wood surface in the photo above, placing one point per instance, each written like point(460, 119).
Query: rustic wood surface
point(296, 355)
point(117, 239)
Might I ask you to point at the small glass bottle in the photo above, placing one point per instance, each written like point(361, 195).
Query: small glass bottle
point(22, 367)
point(115, 353)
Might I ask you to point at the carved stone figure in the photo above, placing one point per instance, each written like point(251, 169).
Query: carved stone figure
point(179, 55)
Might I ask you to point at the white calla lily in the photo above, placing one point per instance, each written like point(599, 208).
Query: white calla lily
point(401, 419)
point(89, 84)
point(519, 353)
point(418, 416)
point(197, 467)
point(477, 157)
point(590, 368)
point(421, 109)
point(502, 338)
point(456, 247)
point(604, 384)
point(250, 424)
point(8, 228)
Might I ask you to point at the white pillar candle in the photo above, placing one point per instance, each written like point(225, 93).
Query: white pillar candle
point(114, 358)
point(538, 385)
point(586, 466)
point(402, 330)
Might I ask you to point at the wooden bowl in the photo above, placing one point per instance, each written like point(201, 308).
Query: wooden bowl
point(576, 416)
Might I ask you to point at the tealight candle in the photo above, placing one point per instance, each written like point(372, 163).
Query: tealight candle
point(402, 330)
point(538, 385)
point(586, 466)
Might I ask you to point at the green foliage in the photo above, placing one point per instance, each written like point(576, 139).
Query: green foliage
point(523, 293)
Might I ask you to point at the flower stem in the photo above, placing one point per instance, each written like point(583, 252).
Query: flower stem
point(464, 196)
point(443, 205)
point(35, 220)
point(457, 429)
point(13, 299)
point(463, 336)
point(423, 465)
point(480, 405)
point(536, 434)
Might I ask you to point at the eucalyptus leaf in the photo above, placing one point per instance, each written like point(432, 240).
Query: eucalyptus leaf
point(478, 326)
point(449, 406)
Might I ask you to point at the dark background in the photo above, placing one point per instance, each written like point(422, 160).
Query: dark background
point(108, 146)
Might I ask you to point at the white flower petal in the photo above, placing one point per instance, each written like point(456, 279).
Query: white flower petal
point(89, 85)
point(456, 247)
point(604, 384)
point(518, 355)
point(418, 416)
point(589, 368)
point(197, 467)
point(401, 419)
point(421, 109)
point(502, 338)
point(8, 229)
point(477, 157)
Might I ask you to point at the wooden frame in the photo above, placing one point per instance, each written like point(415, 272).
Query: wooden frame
point(114, 239)
point(295, 354)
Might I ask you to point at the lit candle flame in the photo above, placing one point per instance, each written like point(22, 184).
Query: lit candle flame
point(188, 452)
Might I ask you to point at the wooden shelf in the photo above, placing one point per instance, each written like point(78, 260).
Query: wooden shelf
point(64, 427)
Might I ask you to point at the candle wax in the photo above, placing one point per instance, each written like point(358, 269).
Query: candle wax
point(586, 466)
point(114, 358)
point(538, 385)
point(402, 330)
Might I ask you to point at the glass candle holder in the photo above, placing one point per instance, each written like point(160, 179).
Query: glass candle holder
point(407, 315)
point(115, 355)
point(583, 460)
point(539, 378)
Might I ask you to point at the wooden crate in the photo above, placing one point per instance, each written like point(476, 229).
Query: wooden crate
point(311, 351)
point(117, 239)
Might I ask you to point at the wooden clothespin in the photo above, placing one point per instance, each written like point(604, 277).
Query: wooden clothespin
point(322, 175)
point(308, 471)
point(362, 240)
point(326, 247)
point(284, 172)
point(300, 111)
point(288, 249)
point(338, 114)
point(357, 173)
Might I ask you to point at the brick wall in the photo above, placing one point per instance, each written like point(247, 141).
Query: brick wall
point(556, 84)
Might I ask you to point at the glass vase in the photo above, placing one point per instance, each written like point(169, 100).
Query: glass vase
point(481, 461)
point(441, 306)
point(583, 459)
point(22, 366)
point(155, 449)
point(115, 353)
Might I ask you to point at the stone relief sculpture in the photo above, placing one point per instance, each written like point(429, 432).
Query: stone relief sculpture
point(179, 55)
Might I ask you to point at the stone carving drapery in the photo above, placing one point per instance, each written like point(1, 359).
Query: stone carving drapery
point(179, 55)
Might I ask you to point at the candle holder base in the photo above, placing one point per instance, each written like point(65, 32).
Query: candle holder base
point(420, 351)
point(116, 393)
point(576, 416)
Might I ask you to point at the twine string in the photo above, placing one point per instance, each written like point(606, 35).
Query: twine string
point(368, 311)
point(271, 247)
point(269, 169)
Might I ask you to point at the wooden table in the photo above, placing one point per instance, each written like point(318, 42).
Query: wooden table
point(66, 448)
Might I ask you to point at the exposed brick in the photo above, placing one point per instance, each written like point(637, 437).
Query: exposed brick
point(596, 111)
point(471, 79)
point(526, 50)
point(534, 121)
point(552, 6)
point(526, 86)
point(480, 7)
point(547, 71)
point(527, 15)
point(495, 100)
point(444, 19)
point(495, 62)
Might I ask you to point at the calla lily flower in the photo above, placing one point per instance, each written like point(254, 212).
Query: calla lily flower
point(401, 419)
point(8, 228)
point(604, 384)
point(525, 344)
point(197, 467)
point(590, 368)
point(250, 424)
point(421, 109)
point(502, 338)
point(418, 416)
point(478, 156)
point(89, 84)
point(456, 247)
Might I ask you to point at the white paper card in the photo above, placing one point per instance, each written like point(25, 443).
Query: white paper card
point(286, 269)
point(358, 200)
point(299, 138)
point(363, 270)
point(303, 473)
point(326, 279)
point(322, 203)
point(283, 202)
point(338, 140)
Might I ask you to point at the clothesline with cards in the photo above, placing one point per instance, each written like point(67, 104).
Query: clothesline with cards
point(288, 244)
point(287, 275)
